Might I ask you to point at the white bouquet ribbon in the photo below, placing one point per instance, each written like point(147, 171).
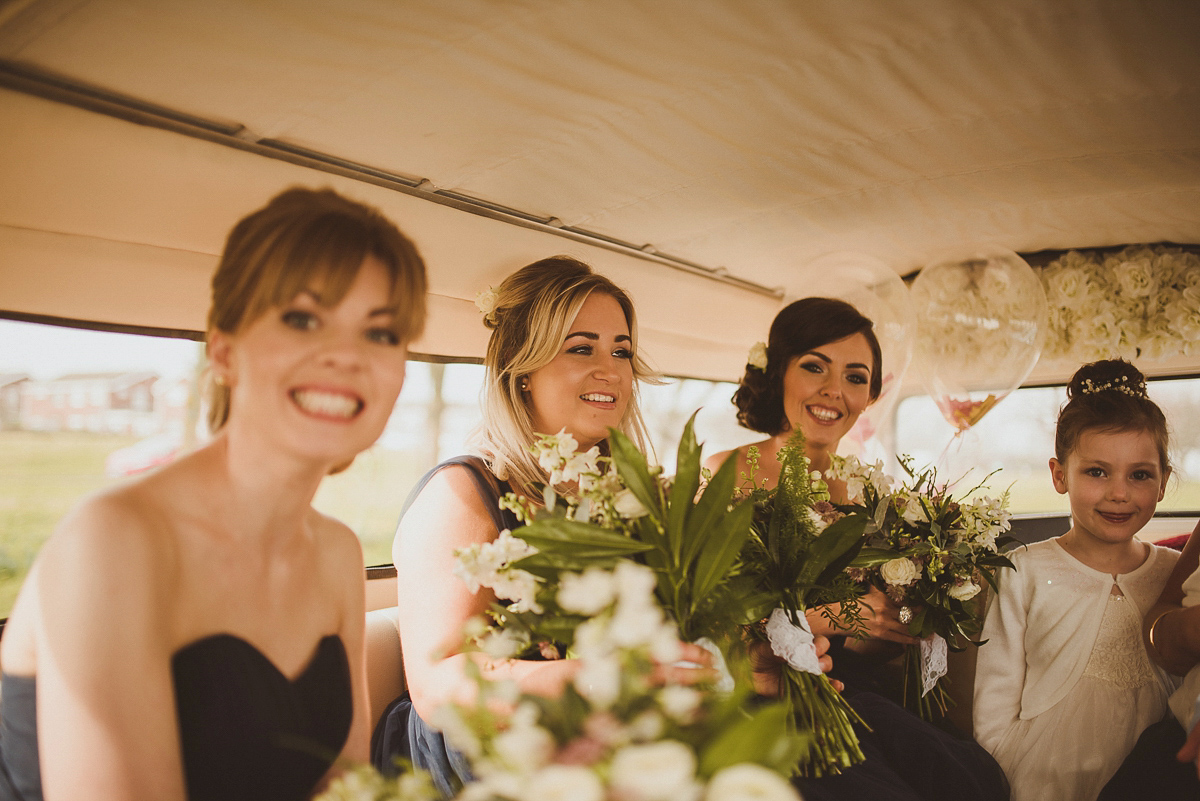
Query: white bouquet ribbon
point(724, 683)
point(933, 662)
point(792, 641)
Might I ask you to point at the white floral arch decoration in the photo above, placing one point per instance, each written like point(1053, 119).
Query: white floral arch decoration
point(1142, 301)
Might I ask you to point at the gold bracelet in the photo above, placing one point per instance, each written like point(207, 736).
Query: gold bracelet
point(1150, 635)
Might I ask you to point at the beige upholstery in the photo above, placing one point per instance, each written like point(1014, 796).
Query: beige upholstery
point(385, 665)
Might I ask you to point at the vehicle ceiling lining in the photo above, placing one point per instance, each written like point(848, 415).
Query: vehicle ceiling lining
point(750, 135)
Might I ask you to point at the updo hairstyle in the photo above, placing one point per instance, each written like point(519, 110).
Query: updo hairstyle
point(305, 239)
point(534, 309)
point(800, 327)
point(1109, 395)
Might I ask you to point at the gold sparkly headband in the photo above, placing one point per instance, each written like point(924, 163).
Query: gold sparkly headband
point(1118, 384)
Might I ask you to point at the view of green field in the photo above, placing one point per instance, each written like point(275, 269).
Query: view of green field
point(43, 474)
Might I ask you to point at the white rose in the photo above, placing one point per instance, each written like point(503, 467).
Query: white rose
point(524, 748)
point(661, 771)
point(628, 506)
point(565, 783)
point(914, 510)
point(757, 357)
point(486, 300)
point(965, 591)
point(586, 593)
point(679, 702)
point(1136, 278)
point(749, 782)
point(1068, 287)
point(599, 681)
point(646, 727)
point(900, 572)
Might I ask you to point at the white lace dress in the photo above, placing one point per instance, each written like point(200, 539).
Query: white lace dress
point(1096, 725)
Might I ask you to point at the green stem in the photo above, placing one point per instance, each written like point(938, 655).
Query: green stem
point(818, 708)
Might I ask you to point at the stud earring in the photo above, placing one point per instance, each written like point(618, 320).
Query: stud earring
point(219, 379)
point(524, 384)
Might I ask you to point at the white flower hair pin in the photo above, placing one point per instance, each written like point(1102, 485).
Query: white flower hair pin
point(485, 301)
point(757, 358)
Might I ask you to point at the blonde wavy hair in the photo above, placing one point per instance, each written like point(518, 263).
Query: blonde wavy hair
point(535, 307)
point(306, 238)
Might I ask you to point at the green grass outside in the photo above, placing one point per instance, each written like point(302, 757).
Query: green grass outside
point(43, 474)
point(369, 496)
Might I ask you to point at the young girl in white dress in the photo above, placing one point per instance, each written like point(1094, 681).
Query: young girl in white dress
point(1064, 685)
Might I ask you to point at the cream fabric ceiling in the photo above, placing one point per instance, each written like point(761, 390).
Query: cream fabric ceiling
point(753, 135)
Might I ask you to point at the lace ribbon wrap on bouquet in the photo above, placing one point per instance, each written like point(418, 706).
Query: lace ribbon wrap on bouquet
point(934, 652)
point(793, 642)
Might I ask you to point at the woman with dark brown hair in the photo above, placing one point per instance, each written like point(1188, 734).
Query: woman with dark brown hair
point(821, 371)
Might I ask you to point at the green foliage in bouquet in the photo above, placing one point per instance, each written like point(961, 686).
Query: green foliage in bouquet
point(931, 553)
point(625, 509)
point(797, 557)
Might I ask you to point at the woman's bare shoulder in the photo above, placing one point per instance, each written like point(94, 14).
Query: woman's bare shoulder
point(741, 453)
point(450, 493)
point(714, 461)
point(115, 529)
point(448, 511)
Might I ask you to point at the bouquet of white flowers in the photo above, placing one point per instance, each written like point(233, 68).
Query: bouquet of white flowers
point(612, 574)
point(930, 553)
point(615, 732)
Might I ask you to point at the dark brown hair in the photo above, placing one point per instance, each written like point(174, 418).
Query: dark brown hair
point(799, 328)
point(1109, 395)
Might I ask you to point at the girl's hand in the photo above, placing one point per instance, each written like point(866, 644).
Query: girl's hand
point(881, 619)
point(767, 667)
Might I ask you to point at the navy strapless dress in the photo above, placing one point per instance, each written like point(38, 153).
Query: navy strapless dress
point(246, 730)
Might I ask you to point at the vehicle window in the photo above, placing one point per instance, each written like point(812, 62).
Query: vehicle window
point(82, 410)
point(1018, 436)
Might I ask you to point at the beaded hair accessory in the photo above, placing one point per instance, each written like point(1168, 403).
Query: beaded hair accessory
point(1119, 384)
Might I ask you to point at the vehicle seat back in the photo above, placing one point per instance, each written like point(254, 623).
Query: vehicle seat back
point(385, 662)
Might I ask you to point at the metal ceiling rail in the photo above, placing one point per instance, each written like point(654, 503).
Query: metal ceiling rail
point(69, 91)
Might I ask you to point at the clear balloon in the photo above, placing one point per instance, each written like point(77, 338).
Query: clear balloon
point(875, 289)
point(981, 325)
